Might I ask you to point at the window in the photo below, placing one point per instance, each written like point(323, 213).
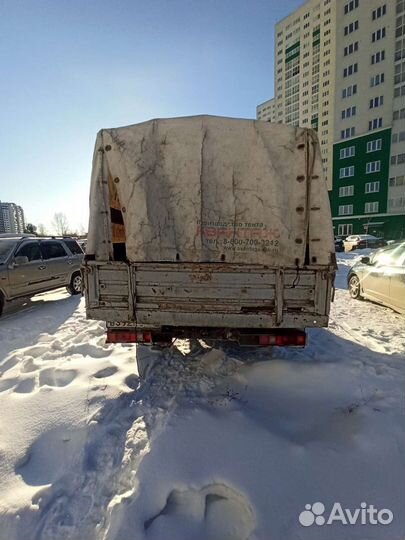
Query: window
point(350, 70)
point(374, 145)
point(74, 247)
point(398, 137)
point(30, 250)
point(347, 113)
point(350, 49)
point(348, 132)
point(398, 159)
point(345, 229)
point(399, 49)
point(351, 27)
point(347, 152)
point(372, 187)
point(377, 79)
point(52, 250)
point(371, 207)
point(350, 6)
point(400, 26)
point(399, 75)
point(373, 166)
point(346, 191)
point(399, 91)
point(379, 12)
point(346, 172)
point(375, 124)
point(389, 257)
point(345, 210)
point(349, 91)
point(376, 102)
point(396, 181)
point(378, 34)
point(399, 114)
point(378, 57)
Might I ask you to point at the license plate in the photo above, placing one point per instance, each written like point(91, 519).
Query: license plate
point(118, 324)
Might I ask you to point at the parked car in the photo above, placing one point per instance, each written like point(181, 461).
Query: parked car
point(381, 277)
point(339, 245)
point(82, 243)
point(361, 241)
point(30, 265)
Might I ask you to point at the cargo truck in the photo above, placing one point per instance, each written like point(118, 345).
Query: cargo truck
point(209, 227)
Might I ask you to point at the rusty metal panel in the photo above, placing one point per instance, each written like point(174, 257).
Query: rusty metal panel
point(106, 286)
point(216, 294)
point(156, 319)
point(243, 293)
point(109, 313)
point(206, 295)
point(184, 276)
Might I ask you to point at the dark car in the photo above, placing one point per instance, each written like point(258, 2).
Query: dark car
point(339, 245)
point(381, 277)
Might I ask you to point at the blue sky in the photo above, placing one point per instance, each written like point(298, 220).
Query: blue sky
point(70, 68)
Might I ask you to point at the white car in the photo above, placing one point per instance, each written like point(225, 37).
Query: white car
point(361, 241)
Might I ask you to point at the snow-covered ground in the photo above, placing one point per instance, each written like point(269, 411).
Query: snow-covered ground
point(213, 444)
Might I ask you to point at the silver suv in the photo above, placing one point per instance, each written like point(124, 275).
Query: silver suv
point(30, 265)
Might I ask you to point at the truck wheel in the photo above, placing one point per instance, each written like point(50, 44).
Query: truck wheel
point(354, 287)
point(75, 285)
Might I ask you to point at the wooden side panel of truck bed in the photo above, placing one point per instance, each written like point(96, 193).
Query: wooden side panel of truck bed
point(152, 295)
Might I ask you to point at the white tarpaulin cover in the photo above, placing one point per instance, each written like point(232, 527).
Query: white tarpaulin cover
point(211, 189)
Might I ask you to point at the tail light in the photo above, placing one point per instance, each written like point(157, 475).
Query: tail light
point(128, 336)
point(296, 338)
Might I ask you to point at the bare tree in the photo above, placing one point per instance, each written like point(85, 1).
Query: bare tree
point(30, 228)
point(41, 229)
point(60, 224)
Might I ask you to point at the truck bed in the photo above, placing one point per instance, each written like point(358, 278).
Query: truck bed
point(148, 295)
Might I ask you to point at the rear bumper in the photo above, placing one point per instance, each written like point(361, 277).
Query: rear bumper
point(243, 336)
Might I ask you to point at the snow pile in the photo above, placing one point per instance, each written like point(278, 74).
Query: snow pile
point(213, 444)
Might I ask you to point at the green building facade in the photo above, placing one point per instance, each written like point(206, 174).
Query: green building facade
point(359, 194)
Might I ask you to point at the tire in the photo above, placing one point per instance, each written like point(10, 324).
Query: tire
point(75, 285)
point(354, 287)
point(1, 303)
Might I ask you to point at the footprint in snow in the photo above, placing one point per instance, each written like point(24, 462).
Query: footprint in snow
point(6, 384)
point(37, 351)
point(105, 372)
point(132, 381)
point(25, 386)
point(50, 455)
point(215, 511)
point(9, 363)
point(56, 377)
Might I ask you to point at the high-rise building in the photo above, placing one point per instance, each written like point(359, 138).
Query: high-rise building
point(267, 111)
point(11, 218)
point(304, 72)
point(340, 68)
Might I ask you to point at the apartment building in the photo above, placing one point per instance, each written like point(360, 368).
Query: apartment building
point(368, 194)
point(340, 69)
point(267, 111)
point(11, 218)
point(304, 73)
